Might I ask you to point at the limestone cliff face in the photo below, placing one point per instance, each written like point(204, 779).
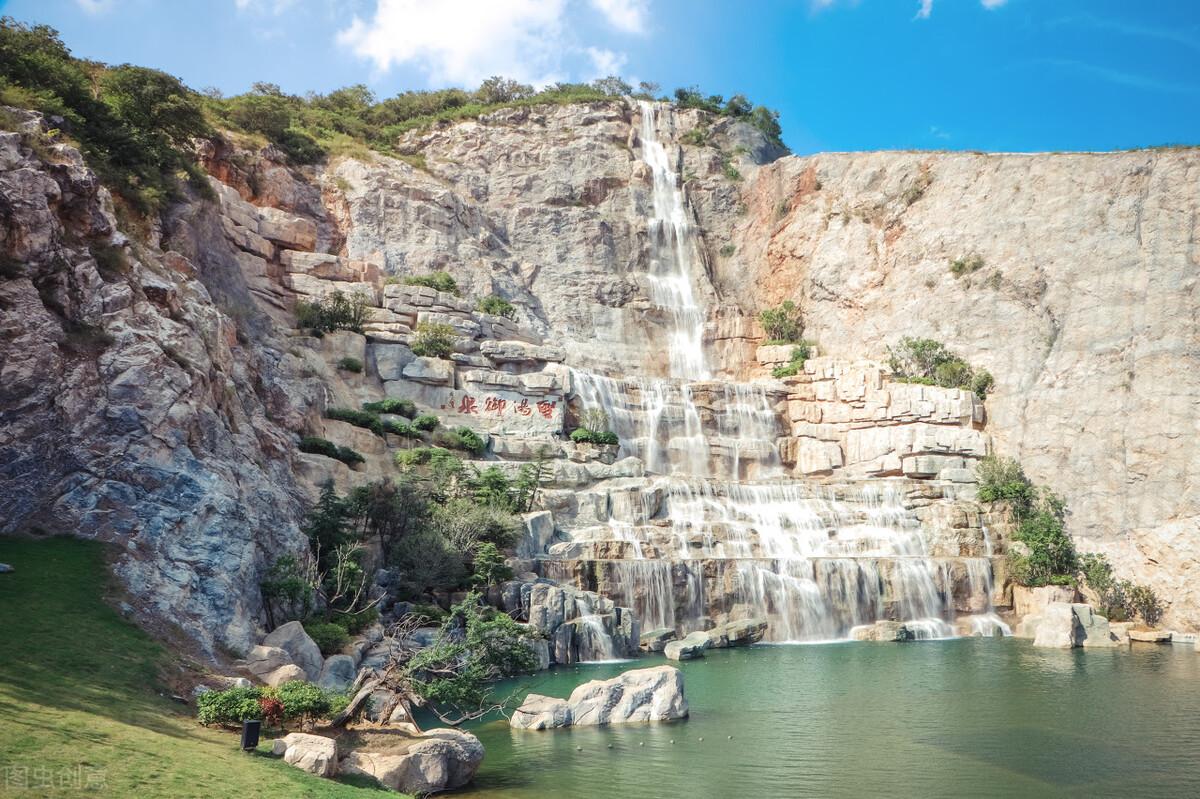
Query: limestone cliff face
point(132, 408)
point(1085, 309)
point(157, 404)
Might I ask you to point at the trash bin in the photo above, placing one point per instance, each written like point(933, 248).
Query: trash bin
point(250, 731)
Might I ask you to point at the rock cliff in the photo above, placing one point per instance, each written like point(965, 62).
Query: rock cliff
point(152, 386)
point(1085, 309)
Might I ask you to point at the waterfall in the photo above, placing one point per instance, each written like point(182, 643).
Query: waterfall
point(728, 533)
point(671, 246)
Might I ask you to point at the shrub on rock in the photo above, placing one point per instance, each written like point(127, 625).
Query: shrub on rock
point(400, 407)
point(438, 281)
point(329, 637)
point(433, 340)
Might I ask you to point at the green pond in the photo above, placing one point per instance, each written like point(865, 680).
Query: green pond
point(958, 718)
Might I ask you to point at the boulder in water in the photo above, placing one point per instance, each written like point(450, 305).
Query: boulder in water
point(656, 640)
point(1064, 625)
point(1150, 636)
point(689, 648)
point(888, 631)
point(636, 696)
point(1057, 627)
point(737, 633)
point(540, 712)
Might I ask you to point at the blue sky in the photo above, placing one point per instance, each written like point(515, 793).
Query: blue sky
point(999, 75)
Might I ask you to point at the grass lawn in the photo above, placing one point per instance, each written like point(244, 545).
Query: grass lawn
point(80, 702)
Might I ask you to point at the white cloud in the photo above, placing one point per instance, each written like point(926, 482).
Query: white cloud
point(925, 7)
point(466, 41)
point(94, 7)
point(605, 62)
point(624, 15)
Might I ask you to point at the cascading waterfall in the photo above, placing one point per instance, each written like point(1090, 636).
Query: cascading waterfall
point(814, 562)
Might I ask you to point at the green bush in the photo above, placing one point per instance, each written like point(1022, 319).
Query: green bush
point(1003, 479)
point(463, 522)
point(337, 311)
point(354, 623)
point(229, 707)
point(1050, 557)
point(924, 360)
point(463, 438)
point(398, 428)
point(1146, 604)
point(349, 364)
point(582, 435)
point(439, 281)
point(697, 136)
point(303, 700)
point(320, 446)
point(782, 324)
point(408, 458)
point(426, 422)
point(965, 266)
point(433, 340)
point(488, 566)
point(363, 419)
point(134, 125)
point(329, 637)
point(795, 365)
point(349, 456)
point(400, 407)
point(496, 306)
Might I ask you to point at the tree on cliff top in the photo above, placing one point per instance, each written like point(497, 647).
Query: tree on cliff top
point(133, 124)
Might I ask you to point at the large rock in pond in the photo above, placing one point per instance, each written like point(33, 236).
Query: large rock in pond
point(1064, 625)
point(315, 754)
point(1057, 627)
point(1028, 600)
point(1150, 636)
point(305, 653)
point(689, 648)
point(440, 760)
point(636, 696)
point(657, 640)
point(540, 712)
point(736, 633)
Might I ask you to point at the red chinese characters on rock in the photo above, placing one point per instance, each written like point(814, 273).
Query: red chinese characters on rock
point(498, 406)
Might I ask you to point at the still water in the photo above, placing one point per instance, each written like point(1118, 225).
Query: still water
point(959, 718)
